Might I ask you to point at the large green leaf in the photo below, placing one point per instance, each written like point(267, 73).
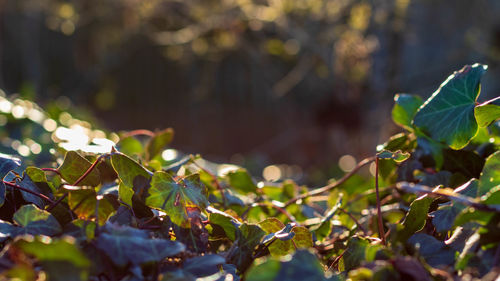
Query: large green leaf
point(128, 170)
point(248, 236)
point(123, 245)
point(176, 197)
point(448, 115)
point(74, 166)
point(405, 107)
point(158, 142)
point(487, 112)
point(7, 164)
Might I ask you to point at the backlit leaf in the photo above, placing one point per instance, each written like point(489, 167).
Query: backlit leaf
point(405, 107)
point(487, 112)
point(7, 164)
point(158, 142)
point(448, 115)
point(241, 181)
point(175, 197)
point(74, 166)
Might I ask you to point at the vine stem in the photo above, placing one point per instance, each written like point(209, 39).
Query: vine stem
point(29, 191)
point(278, 208)
point(80, 179)
point(139, 132)
point(333, 185)
point(51, 170)
point(379, 212)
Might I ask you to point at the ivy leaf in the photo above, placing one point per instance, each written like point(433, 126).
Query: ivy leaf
point(130, 146)
point(434, 252)
point(158, 142)
point(30, 220)
point(490, 177)
point(7, 164)
point(358, 250)
point(123, 245)
point(405, 107)
point(84, 203)
point(27, 183)
point(241, 181)
point(203, 265)
point(397, 156)
point(225, 221)
point(487, 112)
point(128, 170)
point(74, 166)
point(416, 217)
point(448, 115)
point(248, 236)
point(176, 197)
point(284, 238)
point(303, 266)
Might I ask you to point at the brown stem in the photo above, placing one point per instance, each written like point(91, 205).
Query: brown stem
point(51, 170)
point(52, 206)
point(333, 185)
point(90, 169)
point(381, 233)
point(139, 132)
point(354, 219)
point(29, 191)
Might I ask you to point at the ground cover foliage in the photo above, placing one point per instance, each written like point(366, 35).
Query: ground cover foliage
point(111, 207)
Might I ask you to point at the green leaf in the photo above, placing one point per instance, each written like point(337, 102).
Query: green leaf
point(74, 166)
point(405, 107)
point(128, 170)
point(490, 177)
point(248, 236)
point(397, 156)
point(157, 143)
point(303, 266)
point(226, 222)
point(84, 203)
point(123, 245)
point(130, 146)
point(241, 181)
point(487, 112)
point(27, 183)
point(7, 164)
point(176, 197)
point(203, 265)
point(358, 250)
point(35, 221)
point(284, 238)
point(434, 252)
point(416, 217)
point(448, 115)
point(323, 229)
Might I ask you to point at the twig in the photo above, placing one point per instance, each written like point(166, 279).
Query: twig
point(354, 219)
point(91, 168)
point(29, 191)
point(52, 206)
point(51, 170)
point(469, 201)
point(381, 233)
point(333, 185)
point(138, 133)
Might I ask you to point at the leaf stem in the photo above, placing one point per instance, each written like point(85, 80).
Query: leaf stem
point(91, 168)
point(29, 191)
point(333, 185)
point(51, 170)
point(379, 212)
point(139, 132)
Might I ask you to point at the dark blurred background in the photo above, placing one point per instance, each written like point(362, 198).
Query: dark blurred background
point(251, 82)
